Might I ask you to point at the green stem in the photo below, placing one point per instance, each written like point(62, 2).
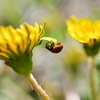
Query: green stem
point(49, 39)
point(37, 87)
point(93, 79)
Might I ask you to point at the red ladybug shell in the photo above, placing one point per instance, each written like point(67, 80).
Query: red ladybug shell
point(57, 48)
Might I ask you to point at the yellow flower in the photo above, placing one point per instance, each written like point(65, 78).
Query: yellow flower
point(84, 30)
point(16, 46)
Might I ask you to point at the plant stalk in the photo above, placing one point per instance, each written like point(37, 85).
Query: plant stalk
point(93, 79)
point(37, 87)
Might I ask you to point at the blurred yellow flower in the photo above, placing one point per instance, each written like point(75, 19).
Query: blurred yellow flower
point(84, 30)
point(16, 46)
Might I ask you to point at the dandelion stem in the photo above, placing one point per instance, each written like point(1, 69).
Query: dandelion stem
point(37, 87)
point(93, 79)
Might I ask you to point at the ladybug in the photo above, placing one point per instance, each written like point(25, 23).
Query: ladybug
point(54, 47)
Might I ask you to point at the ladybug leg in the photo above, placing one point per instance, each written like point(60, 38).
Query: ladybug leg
point(49, 45)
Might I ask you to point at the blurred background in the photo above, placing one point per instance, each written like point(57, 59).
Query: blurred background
point(64, 76)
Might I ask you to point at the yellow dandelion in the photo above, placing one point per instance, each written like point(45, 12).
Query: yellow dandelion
point(84, 30)
point(16, 46)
